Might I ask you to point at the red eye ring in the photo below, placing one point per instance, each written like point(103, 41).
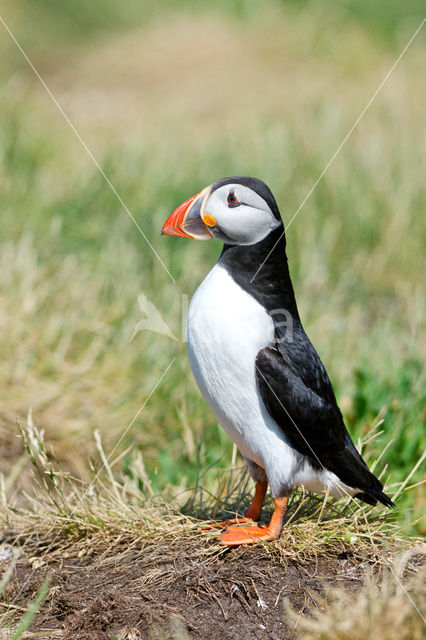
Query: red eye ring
point(232, 199)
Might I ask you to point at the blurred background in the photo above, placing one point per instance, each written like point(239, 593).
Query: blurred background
point(170, 97)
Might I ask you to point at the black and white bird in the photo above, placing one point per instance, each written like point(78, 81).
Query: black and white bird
point(255, 365)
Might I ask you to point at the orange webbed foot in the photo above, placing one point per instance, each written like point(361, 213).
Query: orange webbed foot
point(235, 536)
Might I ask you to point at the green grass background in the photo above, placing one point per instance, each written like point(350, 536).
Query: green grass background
point(170, 97)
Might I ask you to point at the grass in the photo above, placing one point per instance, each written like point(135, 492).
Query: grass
point(116, 501)
point(115, 521)
point(386, 610)
point(169, 100)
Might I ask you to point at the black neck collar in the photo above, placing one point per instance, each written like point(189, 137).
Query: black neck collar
point(272, 286)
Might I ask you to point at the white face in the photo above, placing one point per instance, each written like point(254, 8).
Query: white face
point(241, 215)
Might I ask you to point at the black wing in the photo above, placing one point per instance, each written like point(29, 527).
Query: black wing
point(304, 406)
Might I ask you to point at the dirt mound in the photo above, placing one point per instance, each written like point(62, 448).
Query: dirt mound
point(99, 592)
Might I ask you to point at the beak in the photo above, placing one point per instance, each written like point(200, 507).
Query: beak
point(187, 219)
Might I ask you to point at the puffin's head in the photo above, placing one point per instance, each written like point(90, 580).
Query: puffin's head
point(235, 210)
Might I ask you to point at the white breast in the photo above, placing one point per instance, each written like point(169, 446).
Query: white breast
point(226, 329)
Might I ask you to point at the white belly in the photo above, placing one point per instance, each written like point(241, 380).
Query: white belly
point(226, 329)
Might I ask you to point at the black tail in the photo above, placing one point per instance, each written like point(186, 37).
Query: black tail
point(349, 466)
point(373, 499)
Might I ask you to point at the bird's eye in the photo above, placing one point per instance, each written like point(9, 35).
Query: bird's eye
point(232, 200)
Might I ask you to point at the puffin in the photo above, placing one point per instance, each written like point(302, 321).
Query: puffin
point(254, 364)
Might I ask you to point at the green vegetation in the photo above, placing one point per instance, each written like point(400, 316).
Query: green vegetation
point(169, 100)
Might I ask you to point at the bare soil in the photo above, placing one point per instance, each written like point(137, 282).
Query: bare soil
point(182, 588)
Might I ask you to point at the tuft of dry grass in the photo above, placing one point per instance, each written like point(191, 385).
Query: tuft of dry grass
point(385, 609)
point(114, 503)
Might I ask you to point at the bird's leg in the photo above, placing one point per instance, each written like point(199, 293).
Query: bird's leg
point(234, 536)
point(254, 510)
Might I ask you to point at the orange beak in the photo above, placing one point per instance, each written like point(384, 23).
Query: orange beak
point(186, 221)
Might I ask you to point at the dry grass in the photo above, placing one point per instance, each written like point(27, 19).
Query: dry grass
point(113, 504)
point(385, 609)
point(45, 355)
point(117, 528)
